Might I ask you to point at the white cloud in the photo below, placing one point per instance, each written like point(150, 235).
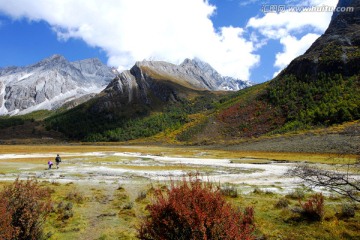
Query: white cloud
point(127, 31)
point(275, 25)
point(293, 47)
point(284, 26)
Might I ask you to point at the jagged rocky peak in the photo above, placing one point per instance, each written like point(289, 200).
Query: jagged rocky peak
point(54, 59)
point(93, 63)
point(204, 66)
point(94, 67)
point(50, 83)
point(161, 67)
point(222, 82)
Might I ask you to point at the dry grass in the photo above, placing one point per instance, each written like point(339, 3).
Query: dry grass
point(42, 160)
point(99, 216)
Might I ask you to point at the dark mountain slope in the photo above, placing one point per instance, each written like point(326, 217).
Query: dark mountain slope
point(322, 86)
point(336, 51)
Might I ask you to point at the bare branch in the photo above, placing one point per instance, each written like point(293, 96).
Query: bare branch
point(344, 183)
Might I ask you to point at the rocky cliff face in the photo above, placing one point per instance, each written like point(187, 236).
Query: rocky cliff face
point(50, 83)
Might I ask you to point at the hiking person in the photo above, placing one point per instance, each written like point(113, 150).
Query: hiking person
point(50, 163)
point(57, 160)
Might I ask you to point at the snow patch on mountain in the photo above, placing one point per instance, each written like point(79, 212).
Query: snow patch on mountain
point(26, 76)
point(62, 98)
point(3, 110)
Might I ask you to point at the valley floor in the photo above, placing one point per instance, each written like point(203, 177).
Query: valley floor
point(110, 186)
point(147, 164)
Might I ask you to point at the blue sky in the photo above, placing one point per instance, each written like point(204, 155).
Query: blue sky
point(234, 36)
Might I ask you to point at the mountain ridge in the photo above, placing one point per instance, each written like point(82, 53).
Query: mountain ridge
point(54, 81)
point(150, 92)
point(49, 83)
point(196, 72)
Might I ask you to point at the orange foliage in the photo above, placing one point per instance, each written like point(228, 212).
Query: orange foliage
point(248, 120)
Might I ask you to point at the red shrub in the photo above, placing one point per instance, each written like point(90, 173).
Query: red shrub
point(195, 210)
point(6, 230)
point(313, 209)
point(24, 206)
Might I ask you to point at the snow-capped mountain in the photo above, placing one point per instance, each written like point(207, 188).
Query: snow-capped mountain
point(50, 83)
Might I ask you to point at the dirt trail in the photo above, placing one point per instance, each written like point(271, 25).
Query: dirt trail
point(99, 214)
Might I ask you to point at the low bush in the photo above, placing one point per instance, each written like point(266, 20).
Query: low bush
point(258, 191)
point(65, 211)
point(282, 203)
point(75, 196)
point(141, 196)
point(128, 206)
point(347, 210)
point(24, 207)
point(298, 193)
point(229, 191)
point(195, 210)
point(313, 208)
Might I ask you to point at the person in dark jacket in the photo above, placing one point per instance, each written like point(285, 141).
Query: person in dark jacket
point(57, 160)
